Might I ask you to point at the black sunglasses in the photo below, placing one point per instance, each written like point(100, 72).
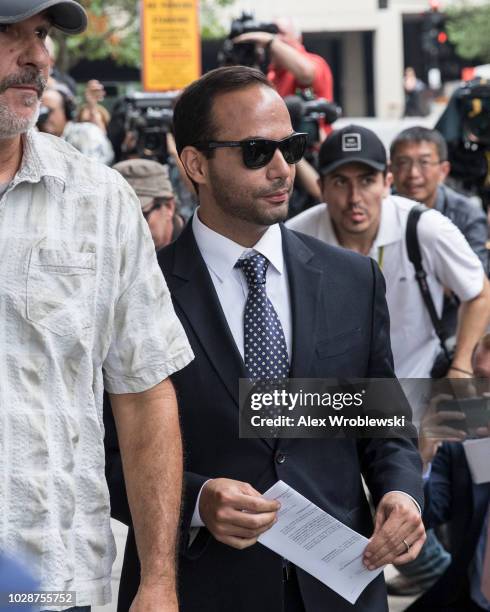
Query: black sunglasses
point(258, 152)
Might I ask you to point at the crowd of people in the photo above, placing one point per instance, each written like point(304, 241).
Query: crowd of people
point(136, 294)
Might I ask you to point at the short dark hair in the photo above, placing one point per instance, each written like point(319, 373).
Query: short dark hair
point(419, 134)
point(67, 100)
point(193, 122)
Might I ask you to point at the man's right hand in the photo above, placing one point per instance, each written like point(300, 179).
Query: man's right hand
point(235, 513)
point(434, 431)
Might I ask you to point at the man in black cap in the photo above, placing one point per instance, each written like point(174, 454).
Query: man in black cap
point(360, 214)
point(83, 306)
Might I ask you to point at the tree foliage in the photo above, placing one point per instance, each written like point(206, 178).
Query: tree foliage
point(114, 32)
point(468, 29)
point(210, 18)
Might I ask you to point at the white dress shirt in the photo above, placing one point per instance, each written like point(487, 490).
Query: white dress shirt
point(220, 255)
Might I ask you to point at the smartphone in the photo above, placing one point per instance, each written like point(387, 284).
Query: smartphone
point(476, 409)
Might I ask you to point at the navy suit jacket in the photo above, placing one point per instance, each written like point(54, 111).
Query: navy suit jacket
point(340, 329)
point(451, 497)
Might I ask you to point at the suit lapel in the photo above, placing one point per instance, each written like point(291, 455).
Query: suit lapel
point(198, 299)
point(304, 285)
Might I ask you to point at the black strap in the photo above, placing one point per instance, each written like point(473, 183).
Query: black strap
point(415, 256)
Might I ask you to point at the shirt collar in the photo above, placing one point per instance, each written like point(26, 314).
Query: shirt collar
point(38, 159)
point(440, 198)
point(390, 229)
point(329, 231)
point(221, 253)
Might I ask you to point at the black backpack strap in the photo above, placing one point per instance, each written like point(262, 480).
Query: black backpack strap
point(415, 256)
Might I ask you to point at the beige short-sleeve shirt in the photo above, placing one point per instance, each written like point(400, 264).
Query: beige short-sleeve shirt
point(83, 304)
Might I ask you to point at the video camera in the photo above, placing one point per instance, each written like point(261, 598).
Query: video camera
point(245, 54)
point(307, 113)
point(465, 124)
point(140, 124)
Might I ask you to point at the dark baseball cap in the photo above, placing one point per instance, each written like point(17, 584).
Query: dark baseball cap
point(67, 15)
point(352, 143)
point(148, 178)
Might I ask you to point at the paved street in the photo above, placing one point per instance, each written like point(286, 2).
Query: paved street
point(397, 604)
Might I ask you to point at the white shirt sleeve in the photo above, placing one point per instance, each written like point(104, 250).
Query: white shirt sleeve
point(414, 500)
point(447, 254)
point(196, 520)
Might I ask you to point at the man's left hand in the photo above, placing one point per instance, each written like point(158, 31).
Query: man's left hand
point(155, 598)
point(399, 533)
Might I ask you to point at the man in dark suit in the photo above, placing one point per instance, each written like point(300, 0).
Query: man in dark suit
point(321, 313)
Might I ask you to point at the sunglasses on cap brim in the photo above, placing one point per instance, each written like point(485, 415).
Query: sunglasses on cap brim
point(258, 152)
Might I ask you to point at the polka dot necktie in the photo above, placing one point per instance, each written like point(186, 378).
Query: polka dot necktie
point(266, 353)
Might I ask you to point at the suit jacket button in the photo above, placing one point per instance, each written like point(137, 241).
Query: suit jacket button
point(280, 458)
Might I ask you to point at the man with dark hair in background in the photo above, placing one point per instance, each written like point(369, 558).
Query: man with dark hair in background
point(359, 213)
point(59, 119)
point(322, 314)
point(419, 163)
point(152, 185)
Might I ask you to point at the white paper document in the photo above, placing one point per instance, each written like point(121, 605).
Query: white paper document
point(478, 457)
point(318, 543)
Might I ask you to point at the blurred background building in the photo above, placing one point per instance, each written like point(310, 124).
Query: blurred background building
point(368, 44)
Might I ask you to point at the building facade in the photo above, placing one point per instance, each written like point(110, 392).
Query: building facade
point(365, 41)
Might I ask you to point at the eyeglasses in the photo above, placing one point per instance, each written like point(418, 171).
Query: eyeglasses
point(258, 152)
point(405, 164)
point(157, 203)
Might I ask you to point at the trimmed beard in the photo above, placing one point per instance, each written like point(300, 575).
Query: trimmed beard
point(12, 125)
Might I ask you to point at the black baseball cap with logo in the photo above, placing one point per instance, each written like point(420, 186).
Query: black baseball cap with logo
point(351, 144)
point(67, 15)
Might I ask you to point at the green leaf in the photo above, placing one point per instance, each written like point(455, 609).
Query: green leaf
point(468, 28)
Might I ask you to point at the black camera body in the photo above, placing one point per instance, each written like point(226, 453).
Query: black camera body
point(146, 119)
point(245, 54)
point(465, 125)
point(307, 113)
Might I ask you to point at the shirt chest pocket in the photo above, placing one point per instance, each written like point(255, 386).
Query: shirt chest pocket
point(60, 290)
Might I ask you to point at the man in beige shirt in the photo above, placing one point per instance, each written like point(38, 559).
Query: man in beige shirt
point(83, 306)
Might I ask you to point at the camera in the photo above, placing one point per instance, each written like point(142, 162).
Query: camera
point(140, 124)
point(465, 125)
point(245, 54)
point(307, 113)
